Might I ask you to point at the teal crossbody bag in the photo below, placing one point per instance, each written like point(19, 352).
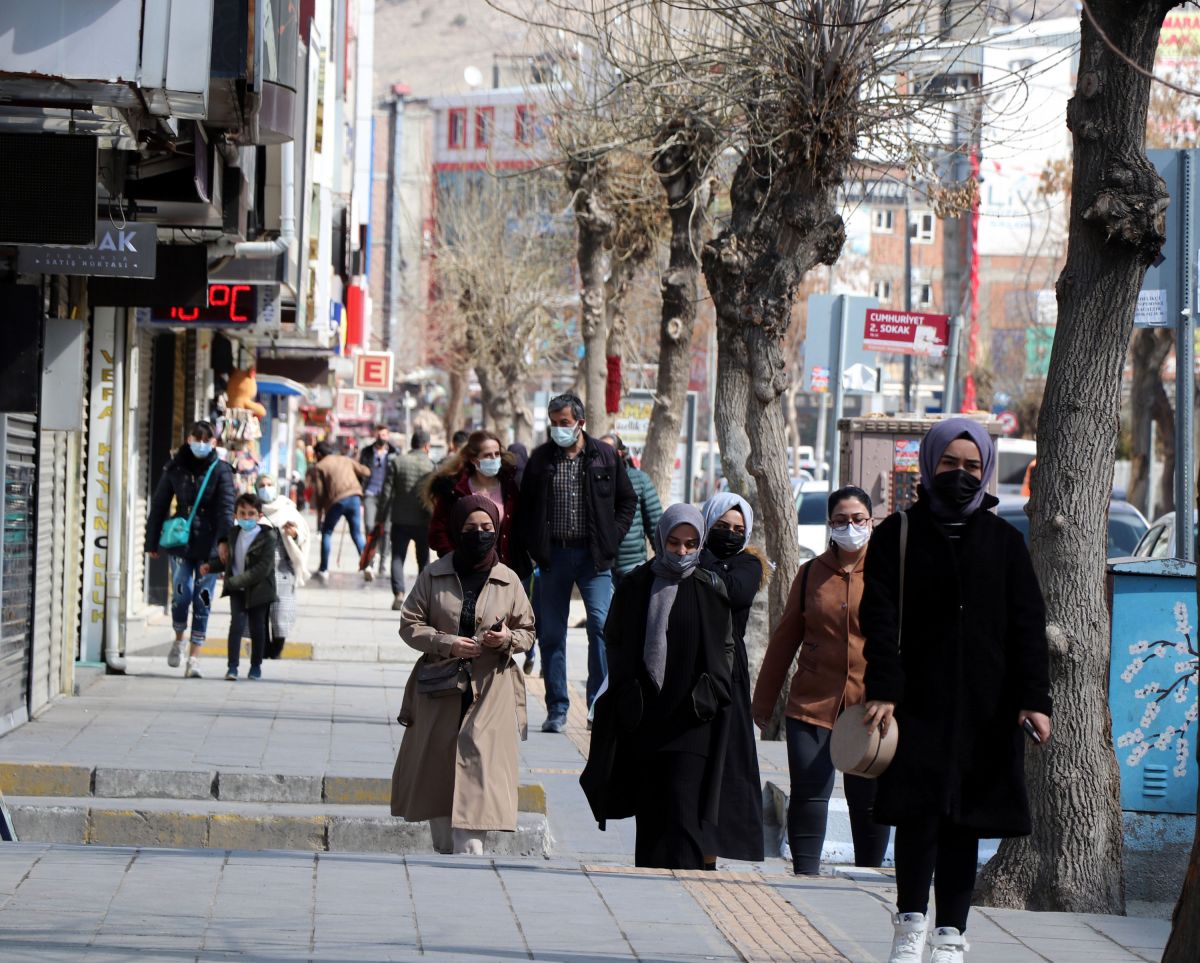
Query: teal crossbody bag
point(176, 531)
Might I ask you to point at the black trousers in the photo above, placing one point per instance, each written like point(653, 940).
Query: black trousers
point(401, 535)
point(936, 850)
point(812, 777)
point(239, 615)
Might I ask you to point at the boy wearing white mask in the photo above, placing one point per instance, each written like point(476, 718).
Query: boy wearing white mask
point(249, 583)
point(820, 625)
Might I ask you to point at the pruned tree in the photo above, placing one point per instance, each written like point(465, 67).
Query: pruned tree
point(501, 262)
point(1073, 860)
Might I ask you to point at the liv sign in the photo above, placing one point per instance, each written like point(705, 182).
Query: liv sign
point(120, 252)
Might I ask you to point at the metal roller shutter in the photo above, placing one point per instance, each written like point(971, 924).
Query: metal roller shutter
point(18, 471)
point(139, 471)
point(48, 598)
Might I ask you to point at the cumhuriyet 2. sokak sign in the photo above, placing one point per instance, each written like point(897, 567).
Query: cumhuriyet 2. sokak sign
point(906, 332)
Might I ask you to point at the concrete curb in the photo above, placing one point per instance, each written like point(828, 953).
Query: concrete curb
point(178, 829)
point(47, 779)
point(306, 651)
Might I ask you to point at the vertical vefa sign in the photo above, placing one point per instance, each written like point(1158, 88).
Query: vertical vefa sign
point(99, 498)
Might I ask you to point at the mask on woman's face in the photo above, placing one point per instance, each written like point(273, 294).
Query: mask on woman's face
point(476, 544)
point(489, 466)
point(680, 564)
point(956, 489)
point(564, 437)
point(852, 537)
point(266, 494)
point(201, 449)
point(725, 542)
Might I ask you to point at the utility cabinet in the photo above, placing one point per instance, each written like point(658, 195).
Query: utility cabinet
point(879, 455)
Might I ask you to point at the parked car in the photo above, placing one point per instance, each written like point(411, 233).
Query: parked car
point(1015, 456)
point(1159, 539)
point(812, 510)
point(1126, 526)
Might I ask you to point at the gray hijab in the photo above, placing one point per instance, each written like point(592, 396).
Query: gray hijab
point(669, 570)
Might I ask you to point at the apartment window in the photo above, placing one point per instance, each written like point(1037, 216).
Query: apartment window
point(882, 290)
point(524, 124)
point(920, 227)
point(923, 294)
point(457, 138)
point(883, 220)
point(485, 124)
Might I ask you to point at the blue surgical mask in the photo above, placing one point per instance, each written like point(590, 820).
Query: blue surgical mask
point(266, 495)
point(489, 467)
point(201, 449)
point(564, 437)
point(247, 524)
point(677, 565)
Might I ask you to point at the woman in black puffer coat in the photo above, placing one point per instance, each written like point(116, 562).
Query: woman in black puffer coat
point(181, 482)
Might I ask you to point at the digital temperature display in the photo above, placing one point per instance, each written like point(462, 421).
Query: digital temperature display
point(228, 304)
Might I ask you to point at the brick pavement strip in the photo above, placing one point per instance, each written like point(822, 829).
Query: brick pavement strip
point(756, 921)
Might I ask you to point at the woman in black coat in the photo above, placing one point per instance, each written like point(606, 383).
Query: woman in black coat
point(658, 734)
point(181, 481)
point(728, 555)
point(962, 674)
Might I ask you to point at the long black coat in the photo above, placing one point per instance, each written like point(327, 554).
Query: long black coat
point(181, 480)
point(621, 735)
point(972, 655)
point(739, 832)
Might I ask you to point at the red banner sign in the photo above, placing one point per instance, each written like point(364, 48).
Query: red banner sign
point(373, 370)
point(906, 332)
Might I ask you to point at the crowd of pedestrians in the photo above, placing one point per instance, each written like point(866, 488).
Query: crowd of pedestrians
point(931, 624)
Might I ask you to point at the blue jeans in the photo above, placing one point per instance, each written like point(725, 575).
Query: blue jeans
point(349, 509)
point(568, 567)
point(191, 590)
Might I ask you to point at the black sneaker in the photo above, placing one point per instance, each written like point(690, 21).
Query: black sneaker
point(556, 723)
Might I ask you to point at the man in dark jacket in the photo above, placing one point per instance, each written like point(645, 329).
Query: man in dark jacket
point(375, 458)
point(632, 551)
point(181, 481)
point(401, 497)
point(576, 504)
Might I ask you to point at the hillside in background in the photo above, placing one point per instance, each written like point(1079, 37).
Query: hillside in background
point(426, 44)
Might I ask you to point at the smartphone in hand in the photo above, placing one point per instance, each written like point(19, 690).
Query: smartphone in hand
point(499, 624)
point(1031, 731)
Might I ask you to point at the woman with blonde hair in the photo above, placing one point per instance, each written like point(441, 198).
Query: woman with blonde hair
point(480, 467)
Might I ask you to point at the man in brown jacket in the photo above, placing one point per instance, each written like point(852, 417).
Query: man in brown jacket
point(338, 493)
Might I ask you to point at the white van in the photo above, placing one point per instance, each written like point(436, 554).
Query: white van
point(1013, 458)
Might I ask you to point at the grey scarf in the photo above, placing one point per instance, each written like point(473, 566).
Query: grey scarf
point(669, 570)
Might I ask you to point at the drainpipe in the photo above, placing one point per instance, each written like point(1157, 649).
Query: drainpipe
point(287, 212)
point(116, 500)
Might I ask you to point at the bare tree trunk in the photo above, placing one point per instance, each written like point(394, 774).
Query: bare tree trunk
point(731, 402)
point(1183, 946)
point(1073, 860)
point(680, 165)
point(594, 224)
point(454, 404)
point(522, 421)
point(1150, 349)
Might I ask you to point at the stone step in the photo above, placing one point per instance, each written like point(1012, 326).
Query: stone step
point(314, 651)
point(32, 779)
point(211, 824)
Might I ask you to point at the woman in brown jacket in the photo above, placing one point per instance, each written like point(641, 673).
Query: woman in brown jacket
point(821, 623)
point(457, 765)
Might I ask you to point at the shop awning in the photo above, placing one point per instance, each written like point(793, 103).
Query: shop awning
point(279, 385)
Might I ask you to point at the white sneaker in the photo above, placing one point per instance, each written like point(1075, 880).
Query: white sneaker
point(322, 577)
point(193, 669)
point(368, 575)
point(175, 654)
point(949, 945)
point(398, 602)
point(908, 943)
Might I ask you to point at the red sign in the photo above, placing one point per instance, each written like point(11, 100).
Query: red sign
point(373, 370)
point(906, 332)
point(227, 304)
point(349, 403)
point(1008, 422)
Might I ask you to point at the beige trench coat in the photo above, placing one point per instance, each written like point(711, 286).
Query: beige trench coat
point(466, 772)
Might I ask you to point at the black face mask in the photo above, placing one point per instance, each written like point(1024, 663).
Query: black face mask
point(475, 545)
point(956, 489)
point(724, 542)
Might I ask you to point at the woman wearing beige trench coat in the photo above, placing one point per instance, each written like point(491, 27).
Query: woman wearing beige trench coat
point(457, 765)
